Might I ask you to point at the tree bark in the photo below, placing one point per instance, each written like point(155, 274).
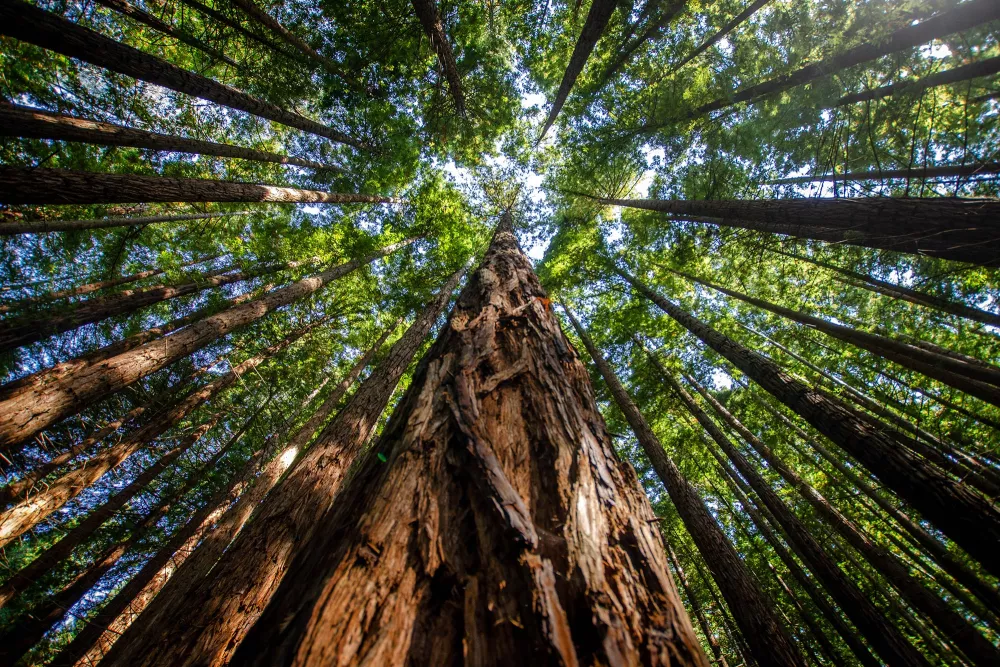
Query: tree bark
point(22, 21)
point(654, 31)
point(960, 513)
point(235, 25)
point(27, 407)
point(723, 31)
point(916, 173)
point(20, 121)
point(23, 185)
point(695, 606)
point(954, 75)
point(950, 228)
point(494, 480)
point(597, 20)
point(956, 628)
point(768, 641)
point(213, 620)
point(44, 226)
point(430, 21)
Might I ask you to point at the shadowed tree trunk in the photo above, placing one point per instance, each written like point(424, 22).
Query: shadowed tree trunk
point(19, 121)
point(44, 226)
point(916, 173)
point(695, 605)
point(27, 407)
point(235, 25)
point(27, 23)
point(214, 619)
point(753, 610)
point(959, 512)
point(723, 31)
point(23, 185)
point(492, 523)
point(430, 21)
point(954, 75)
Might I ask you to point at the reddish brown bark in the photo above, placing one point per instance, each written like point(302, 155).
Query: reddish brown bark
point(492, 522)
point(25, 22)
point(213, 619)
point(430, 21)
point(27, 407)
point(43, 226)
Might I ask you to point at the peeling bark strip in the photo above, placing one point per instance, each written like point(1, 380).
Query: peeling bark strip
point(965, 230)
point(217, 615)
point(954, 75)
point(22, 21)
point(43, 226)
point(430, 21)
point(20, 121)
point(492, 522)
point(29, 405)
point(754, 611)
point(22, 185)
point(960, 513)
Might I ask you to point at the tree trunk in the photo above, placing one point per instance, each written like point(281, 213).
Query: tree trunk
point(23, 185)
point(597, 20)
point(956, 628)
point(960, 513)
point(695, 606)
point(654, 31)
point(22, 21)
point(28, 407)
point(723, 31)
point(430, 21)
point(968, 72)
point(916, 173)
point(235, 25)
point(44, 226)
point(206, 626)
point(492, 523)
point(950, 228)
point(19, 121)
point(753, 610)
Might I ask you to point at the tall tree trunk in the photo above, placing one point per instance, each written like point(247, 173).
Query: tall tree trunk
point(211, 621)
point(597, 20)
point(28, 407)
point(960, 513)
point(722, 32)
point(967, 72)
point(950, 228)
point(753, 610)
point(956, 628)
point(44, 226)
point(235, 25)
point(916, 173)
point(883, 636)
point(20, 121)
point(22, 21)
point(430, 21)
point(695, 606)
point(23, 185)
point(492, 521)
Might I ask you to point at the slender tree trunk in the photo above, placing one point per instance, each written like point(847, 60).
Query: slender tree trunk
point(500, 414)
point(753, 610)
point(19, 121)
point(23, 185)
point(916, 173)
point(597, 20)
point(45, 226)
point(212, 620)
point(932, 607)
point(430, 21)
point(235, 25)
point(950, 228)
point(944, 402)
point(723, 31)
point(968, 72)
point(960, 513)
point(695, 606)
point(22, 21)
point(28, 407)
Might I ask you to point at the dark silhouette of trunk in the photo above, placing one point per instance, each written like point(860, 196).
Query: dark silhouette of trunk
point(19, 121)
point(653, 31)
point(768, 641)
point(946, 227)
point(22, 21)
point(502, 413)
point(30, 573)
point(23, 185)
point(206, 626)
point(723, 31)
point(932, 607)
point(916, 173)
point(968, 72)
point(430, 21)
point(44, 226)
point(695, 606)
point(597, 20)
point(235, 25)
point(148, 19)
point(960, 513)
point(883, 636)
point(973, 378)
point(27, 407)
point(944, 402)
